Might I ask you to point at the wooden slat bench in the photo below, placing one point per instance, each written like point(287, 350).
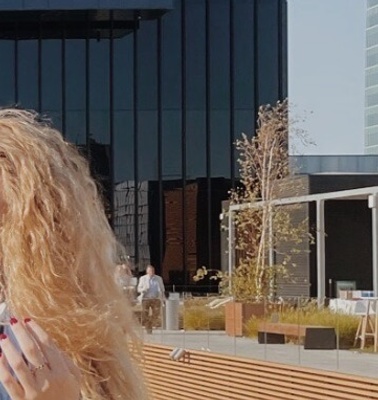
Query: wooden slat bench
point(214, 376)
point(315, 337)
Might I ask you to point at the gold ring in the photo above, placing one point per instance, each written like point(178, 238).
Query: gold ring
point(38, 367)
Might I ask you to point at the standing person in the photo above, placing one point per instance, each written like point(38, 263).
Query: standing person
point(123, 275)
point(152, 290)
point(68, 337)
point(124, 278)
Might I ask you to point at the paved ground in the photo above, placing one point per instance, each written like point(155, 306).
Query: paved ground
point(344, 361)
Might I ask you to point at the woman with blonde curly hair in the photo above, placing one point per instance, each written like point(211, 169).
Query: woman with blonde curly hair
point(70, 328)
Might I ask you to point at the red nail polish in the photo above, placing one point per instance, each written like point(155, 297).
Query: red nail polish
point(13, 321)
point(3, 337)
point(26, 320)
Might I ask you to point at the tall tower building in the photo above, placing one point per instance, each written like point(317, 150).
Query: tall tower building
point(371, 79)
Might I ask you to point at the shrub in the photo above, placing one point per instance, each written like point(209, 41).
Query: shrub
point(196, 315)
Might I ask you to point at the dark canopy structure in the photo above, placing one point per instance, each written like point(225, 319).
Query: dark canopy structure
point(33, 19)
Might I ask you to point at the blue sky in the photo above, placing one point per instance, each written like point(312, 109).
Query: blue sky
point(326, 72)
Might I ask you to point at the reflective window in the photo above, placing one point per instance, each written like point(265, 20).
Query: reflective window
point(220, 61)
point(371, 117)
point(371, 77)
point(219, 30)
point(196, 88)
point(171, 58)
point(371, 96)
point(372, 17)
point(372, 37)
point(195, 54)
point(7, 73)
point(268, 51)
point(172, 145)
point(75, 91)
point(51, 76)
point(244, 56)
point(123, 115)
point(372, 57)
point(28, 73)
point(372, 3)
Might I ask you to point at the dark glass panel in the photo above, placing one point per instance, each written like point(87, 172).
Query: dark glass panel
point(123, 146)
point(196, 144)
point(147, 66)
point(51, 75)
point(99, 133)
point(244, 56)
point(124, 215)
point(123, 103)
point(55, 117)
point(143, 216)
point(28, 73)
point(171, 144)
point(219, 54)
point(100, 126)
point(147, 152)
point(196, 89)
point(220, 87)
point(100, 152)
point(75, 91)
point(147, 102)
point(171, 59)
point(7, 73)
point(195, 55)
point(99, 74)
point(123, 73)
point(220, 144)
point(268, 68)
point(244, 123)
point(75, 127)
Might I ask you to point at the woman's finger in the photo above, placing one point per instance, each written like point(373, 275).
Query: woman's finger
point(16, 361)
point(51, 353)
point(28, 345)
point(9, 382)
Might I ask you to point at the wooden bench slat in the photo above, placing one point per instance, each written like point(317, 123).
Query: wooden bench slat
point(208, 375)
point(290, 384)
point(226, 392)
point(282, 328)
point(324, 381)
point(318, 376)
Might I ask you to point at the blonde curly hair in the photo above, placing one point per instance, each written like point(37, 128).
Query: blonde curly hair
point(58, 255)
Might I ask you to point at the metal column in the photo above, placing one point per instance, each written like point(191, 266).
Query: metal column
point(320, 250)
point(230, 243)
point(373, 203)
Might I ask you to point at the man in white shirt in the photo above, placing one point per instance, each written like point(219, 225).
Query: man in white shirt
point(152, 290)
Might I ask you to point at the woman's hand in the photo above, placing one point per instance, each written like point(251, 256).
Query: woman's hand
point(41, 371)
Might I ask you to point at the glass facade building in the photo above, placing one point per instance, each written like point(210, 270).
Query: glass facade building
point(155, 94)
point(371, 78)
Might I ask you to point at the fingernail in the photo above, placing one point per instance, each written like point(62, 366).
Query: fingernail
point(13, 321)
point(3, 336)
point(26, 320)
